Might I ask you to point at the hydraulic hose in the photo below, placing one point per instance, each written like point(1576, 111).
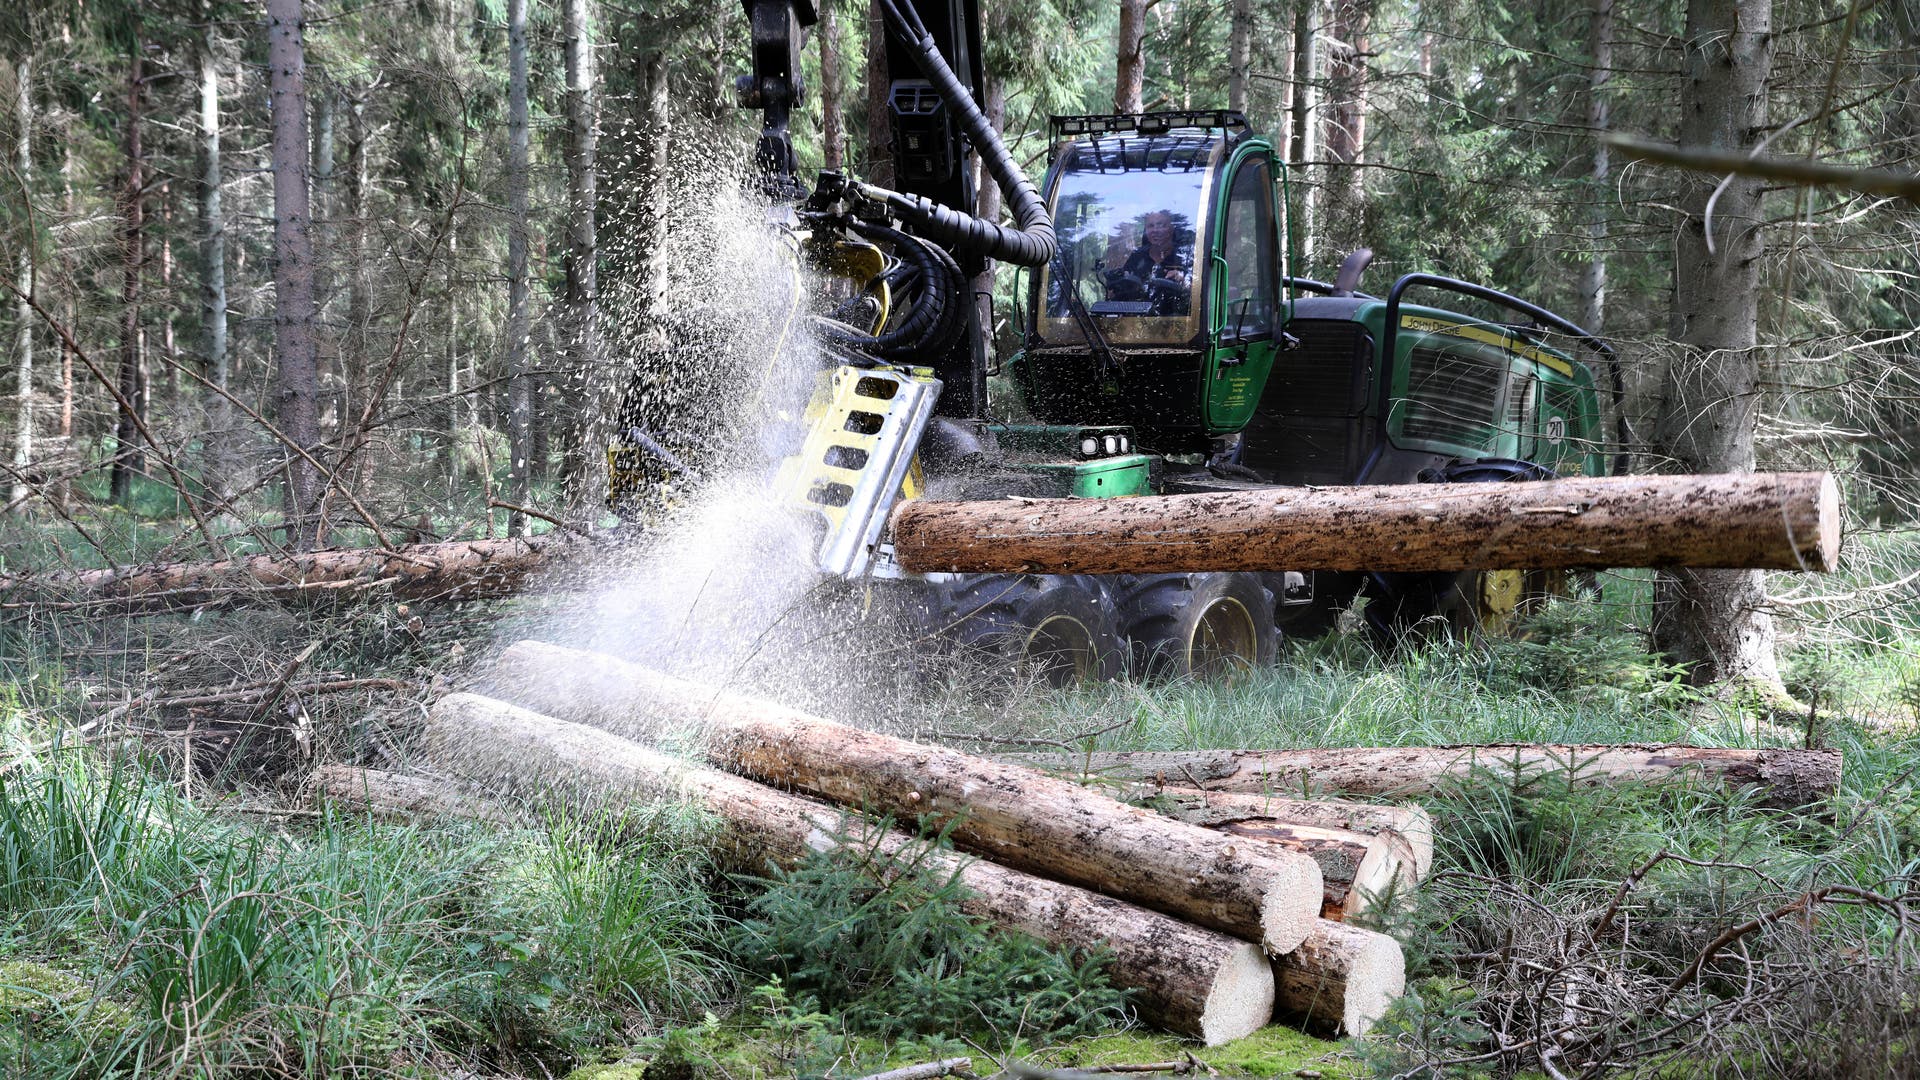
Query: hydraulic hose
point(1031, 241)
point(931, 318)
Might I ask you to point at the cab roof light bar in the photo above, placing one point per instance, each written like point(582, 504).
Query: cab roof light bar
point(1149, 123)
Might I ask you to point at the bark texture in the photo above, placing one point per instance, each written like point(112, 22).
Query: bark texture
point(1593, 285)
point(1359, 871)
point(1716, 622)
point(1788, 778)
point(582, 303)
point(1193, 981)
point(297, 395)
point(1407, 824)
point(1783, 521)
point(1340, 980)
point(1130, 62)
point(1011, 814)
point(463, 570)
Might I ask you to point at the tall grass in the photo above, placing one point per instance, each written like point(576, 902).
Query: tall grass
point(349, 949)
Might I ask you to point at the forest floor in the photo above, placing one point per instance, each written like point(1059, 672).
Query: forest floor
point(172, 904)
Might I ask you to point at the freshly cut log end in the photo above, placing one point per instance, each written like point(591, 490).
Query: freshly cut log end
point(1242, 999)
point(1285, 921)
point(1340, 980)
point(1824, 554)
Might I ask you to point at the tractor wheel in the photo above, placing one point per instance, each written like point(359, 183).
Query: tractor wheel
point(1469, 603)
point(1062, 628)
point(1198, 624)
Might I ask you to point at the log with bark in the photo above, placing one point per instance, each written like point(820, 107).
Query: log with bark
point(1358, 871)
point(1405, 824)
point(1340, 980)
point(1026, 819)
point(1768, 521)
point(1785, 778)
point(458, 570)
point(1190, 980)
point(394, 795)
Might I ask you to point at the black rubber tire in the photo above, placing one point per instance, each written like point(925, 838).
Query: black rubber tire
point(1062, 628)
point(1198, 624)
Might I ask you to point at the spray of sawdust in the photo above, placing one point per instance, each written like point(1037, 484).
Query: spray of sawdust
point(709, 355)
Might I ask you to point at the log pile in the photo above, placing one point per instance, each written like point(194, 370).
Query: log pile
point(1225, 906)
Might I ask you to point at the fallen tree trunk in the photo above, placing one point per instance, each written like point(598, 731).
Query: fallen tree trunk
point(1768, 521)
point(1406, 823)
point(1190, 980)
point(1339, 981)
point(1786, 778)
point(463, 570)
point(1357, 871)
point(392, 795)
point(1026, 819)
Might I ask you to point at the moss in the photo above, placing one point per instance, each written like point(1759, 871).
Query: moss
point(625, 1071)
point(1272, 1051)
point(36, 993)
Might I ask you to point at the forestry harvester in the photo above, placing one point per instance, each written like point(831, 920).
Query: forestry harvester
point(1167, 348)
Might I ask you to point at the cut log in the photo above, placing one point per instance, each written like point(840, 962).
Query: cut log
point(1766, 521)
point(1358, 870)
point(1014, 815)
point(1190, 980)
point(1786, 778)
point(1408, 824)
point(392, 795)
point(465, 570)
point(1339, 981)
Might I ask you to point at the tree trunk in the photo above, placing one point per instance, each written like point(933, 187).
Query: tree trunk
point(582, 321)
point(1787, 778)
point(1716, 622)
point(23, 331)
point(519, 386)
point(297, 397)
point(213, 286)
point(1344, 209)
point(1772, 520)
point(326, 228)
point(655, 158)
point(1339, 981)
point(832, 91)
point(354, 342)
point(1593, 286)
point(1189, 980)
point(463, 570)
point(1304, 147)
point(879, 170)
point(1406, 824)
point(1130, 62)
point(126, 431)
point(1239, 54)
point(1029, 821)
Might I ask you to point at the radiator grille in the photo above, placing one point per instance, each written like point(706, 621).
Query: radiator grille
point(1451, 397)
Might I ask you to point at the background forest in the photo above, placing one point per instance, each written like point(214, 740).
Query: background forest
point(487, 184)
point(320, 273)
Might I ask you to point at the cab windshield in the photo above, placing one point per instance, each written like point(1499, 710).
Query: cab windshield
point(1129, 217)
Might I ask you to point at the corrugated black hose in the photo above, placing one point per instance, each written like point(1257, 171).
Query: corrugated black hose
point(1031, 242)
